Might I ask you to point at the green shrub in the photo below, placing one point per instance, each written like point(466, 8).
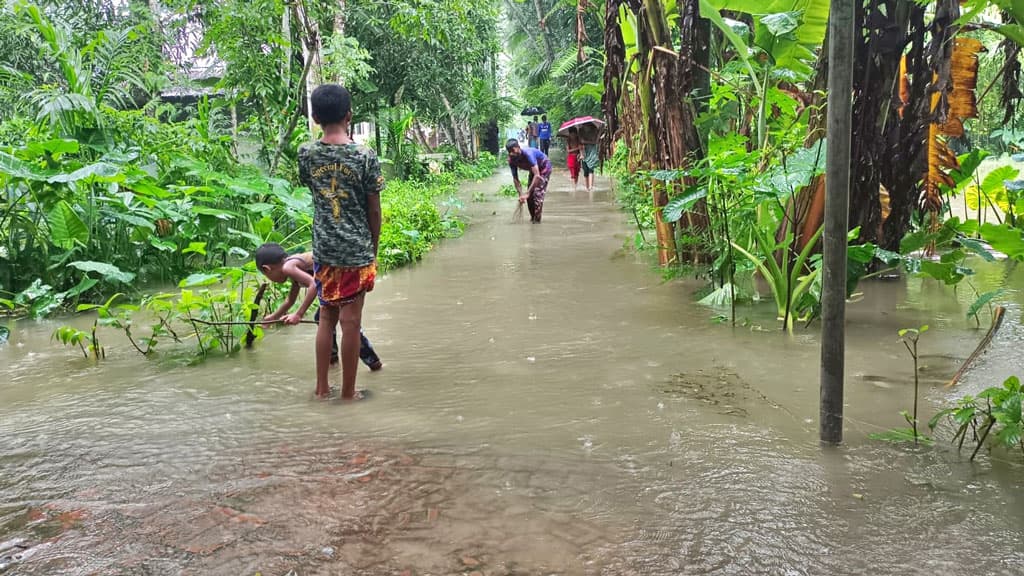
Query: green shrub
point(412, 220)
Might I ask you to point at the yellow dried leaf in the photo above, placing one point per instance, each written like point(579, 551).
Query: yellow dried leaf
point(962, 105)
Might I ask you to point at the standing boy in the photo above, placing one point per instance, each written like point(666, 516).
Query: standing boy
point(539, 167)
point(532, 131)
point(346, 182)
point(544, 134)
point(279, 267)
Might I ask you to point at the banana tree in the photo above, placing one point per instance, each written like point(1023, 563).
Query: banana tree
point(649, 81)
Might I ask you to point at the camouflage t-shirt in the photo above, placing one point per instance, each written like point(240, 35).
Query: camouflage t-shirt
point(340, 177)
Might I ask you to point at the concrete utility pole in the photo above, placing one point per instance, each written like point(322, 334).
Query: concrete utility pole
point(837, 208)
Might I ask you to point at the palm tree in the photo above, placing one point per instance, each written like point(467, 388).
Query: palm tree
point(102, 74)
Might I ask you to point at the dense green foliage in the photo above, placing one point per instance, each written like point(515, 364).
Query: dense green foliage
point(993, 417)
point(106, 188)
point(761, 149)
point(557, 57)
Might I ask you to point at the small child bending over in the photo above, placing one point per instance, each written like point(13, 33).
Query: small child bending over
point(279, 267)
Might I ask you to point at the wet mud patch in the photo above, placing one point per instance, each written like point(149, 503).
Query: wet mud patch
point(722, 390)
point(311, 511)
point(934, 370)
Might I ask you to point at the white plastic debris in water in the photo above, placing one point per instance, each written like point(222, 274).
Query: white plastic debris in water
point(661, 405)
point(327, 551)
point(531, 359)
point(459, 418)
point(532, 316)
point(491, 340)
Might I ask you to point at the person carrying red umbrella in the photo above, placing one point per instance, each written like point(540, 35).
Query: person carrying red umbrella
point(573, 149)
point(581, 138)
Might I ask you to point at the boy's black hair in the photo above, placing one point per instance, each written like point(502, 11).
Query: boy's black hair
point(544, 117)
point(270, 254)
point(512, 143)
point(331, 104)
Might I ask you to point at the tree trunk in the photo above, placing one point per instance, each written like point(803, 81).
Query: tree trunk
point(491, 140)
point(549, 51)
point(286, 33)
point(695, 53)
point(889, 138)
point(310, 53)
point(418, 136)
point(339, 30)
point(1011, 92)
point(674, 141)
point(458, 136)
point(805, 210)
point(614, 76)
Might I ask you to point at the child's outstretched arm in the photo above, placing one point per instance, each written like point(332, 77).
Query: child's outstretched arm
point(299, 278)
point(285, 306)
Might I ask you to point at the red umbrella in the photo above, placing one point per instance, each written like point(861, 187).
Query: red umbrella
point(579, 123)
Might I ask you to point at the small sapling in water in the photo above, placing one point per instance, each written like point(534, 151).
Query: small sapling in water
point(909, 337)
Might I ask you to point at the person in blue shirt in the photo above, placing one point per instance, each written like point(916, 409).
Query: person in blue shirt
point(539, 167)
point(544, 134)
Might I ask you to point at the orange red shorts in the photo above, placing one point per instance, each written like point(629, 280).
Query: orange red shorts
point(337, 286)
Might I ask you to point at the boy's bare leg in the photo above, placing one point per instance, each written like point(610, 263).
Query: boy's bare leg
point(351, 319)
point(324, 340)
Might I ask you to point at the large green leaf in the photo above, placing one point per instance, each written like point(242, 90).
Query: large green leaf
point(19, 169)
point(811, 30)
point(100, 170)
point(709, 11)
point(107, 271)
point(983, 300)
point(66, 229)
point(674, 209)
point(1005, 239)
point(1014, 32)
point(215, 212)
point(199, 279)
point(995, 181)
point(781, 23)
point(968, 164)
point(56, 146)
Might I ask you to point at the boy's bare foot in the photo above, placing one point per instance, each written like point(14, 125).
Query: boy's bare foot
point(359, 395)
point(376, 366)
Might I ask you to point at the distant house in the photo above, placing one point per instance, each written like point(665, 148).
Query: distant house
point(201, 80)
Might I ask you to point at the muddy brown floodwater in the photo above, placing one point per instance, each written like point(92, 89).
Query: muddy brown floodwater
point(548, 406)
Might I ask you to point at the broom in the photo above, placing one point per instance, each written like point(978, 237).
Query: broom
point(517, 216)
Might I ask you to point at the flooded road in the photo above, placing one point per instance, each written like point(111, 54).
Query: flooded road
point(548, 406)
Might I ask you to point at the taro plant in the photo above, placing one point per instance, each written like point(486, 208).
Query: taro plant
point(220, 318)
point(71, 336)
point(993, 416)
point(105, 316)
point(789, 282)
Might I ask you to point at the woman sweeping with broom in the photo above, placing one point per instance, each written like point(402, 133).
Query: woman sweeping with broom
point(539, 167)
